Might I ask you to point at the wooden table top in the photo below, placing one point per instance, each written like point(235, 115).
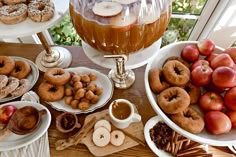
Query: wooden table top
point(136, 94)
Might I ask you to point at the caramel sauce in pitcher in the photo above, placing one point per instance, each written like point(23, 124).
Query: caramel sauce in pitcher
point(102, 34)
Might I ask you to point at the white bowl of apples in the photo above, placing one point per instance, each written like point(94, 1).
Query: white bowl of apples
point(212, 67)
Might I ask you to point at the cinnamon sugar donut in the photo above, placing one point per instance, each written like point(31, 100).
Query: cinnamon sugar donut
point(193, 91)
point(12, 14)
point(178, 59)
point(22, 69)
point(12, 84)
point(41, 10)
point(190, 120)
point(22, 88)
point(7, 64)
point(57, 76)
point(11, 2)
point(49, 92)
point(1, 4)
point(173, 100)
point(156, 80)
point(176, 73)
point(3, 81)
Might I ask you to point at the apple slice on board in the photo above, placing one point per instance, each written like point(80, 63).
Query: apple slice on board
point(123, 22)
point(124, 1)
point(107, 9)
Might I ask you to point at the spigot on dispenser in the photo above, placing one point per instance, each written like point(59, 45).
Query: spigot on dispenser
point(121, 77)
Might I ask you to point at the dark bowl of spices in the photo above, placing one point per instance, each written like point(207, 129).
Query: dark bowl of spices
point(67, 122)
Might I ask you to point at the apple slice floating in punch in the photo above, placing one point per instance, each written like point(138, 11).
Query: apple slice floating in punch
point(124, 1)
point(123, 22)
point(107, 9)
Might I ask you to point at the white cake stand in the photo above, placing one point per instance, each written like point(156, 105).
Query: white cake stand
point(121, 65)
point(52, 56)
point(134, 60)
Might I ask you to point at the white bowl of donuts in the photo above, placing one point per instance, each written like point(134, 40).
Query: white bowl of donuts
point(178, 97)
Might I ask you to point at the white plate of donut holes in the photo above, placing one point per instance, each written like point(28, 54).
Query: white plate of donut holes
point(202, 137)
point(32, 77)
point(101, 81)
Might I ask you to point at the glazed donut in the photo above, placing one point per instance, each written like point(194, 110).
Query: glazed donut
point(22, 69)
point(22, 88)
point(178, 59)
point(49, 92)
point(41, 10)
point(57, 76)
point(190, 120)
point(12, 14)
point(176, 73)
point(3, 81)
point(193, 91)
point(173, 100)
point(12, 84)
point(6, 65)
point(156, 80)
point(12, 2)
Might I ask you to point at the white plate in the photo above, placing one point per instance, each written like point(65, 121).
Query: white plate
point(16, 141)
point(203, 137)
point(101, 81)
point(149, 125)
point(33, 77)
point(232, 148)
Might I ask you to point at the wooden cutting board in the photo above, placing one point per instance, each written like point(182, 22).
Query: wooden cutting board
point(136, 129)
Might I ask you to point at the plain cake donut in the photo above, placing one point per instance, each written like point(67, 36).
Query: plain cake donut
point(156, 80)
point(190, 120)
point(12, 14)
point(22, 69)
point(176, 73)
point(41, 10)
point(193, 91)
point(173, 100)
point(49, 92)
point(7, 64)
point(11, 2)
point(57, 76)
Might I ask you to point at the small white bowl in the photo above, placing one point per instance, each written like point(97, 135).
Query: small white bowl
point(174, 49)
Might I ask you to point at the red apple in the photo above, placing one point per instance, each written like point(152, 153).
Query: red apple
point(210, 57)
point(222, 60)
point(230, 98)
point(224, 77)
point(201, 75)
point(190, 53)
point(199, 63)
point(232, 117)
point(6, 113)
point(232, 52)
point(211, 101)
point(217, 122)
point(206, 46)
point(214, 88)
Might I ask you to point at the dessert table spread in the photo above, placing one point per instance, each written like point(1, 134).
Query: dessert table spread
point(136, 94)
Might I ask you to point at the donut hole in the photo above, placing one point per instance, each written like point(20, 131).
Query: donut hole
point(172, 97)
point(53, 89)
point(41, 7)
point(177, 70)
point(18, 69)
point(1, 64)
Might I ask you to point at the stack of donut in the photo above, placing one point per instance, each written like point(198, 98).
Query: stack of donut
point(13, 77)
point(16, 11)
point(176, 93)
point(52, 88)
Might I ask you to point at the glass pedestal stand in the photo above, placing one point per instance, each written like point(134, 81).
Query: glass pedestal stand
point(121, 73)
point(52, 56)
